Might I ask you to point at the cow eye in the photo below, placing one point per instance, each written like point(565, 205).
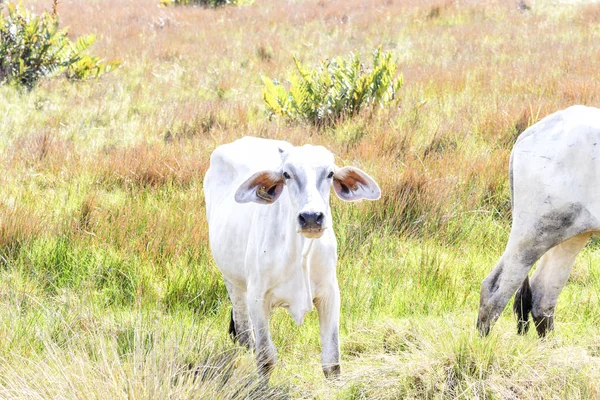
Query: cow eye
point(330, 175)
point(286, 175)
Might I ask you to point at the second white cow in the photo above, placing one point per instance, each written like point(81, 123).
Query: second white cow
point(555, 187)
point(271, 235)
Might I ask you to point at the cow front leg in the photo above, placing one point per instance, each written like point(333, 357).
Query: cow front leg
point(266, 354)
point(328, 307)
point(240, 327)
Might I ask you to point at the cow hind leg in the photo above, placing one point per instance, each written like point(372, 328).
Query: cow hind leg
point(504, 280)
point(498, 287)
point(527, 243)
point(549, 279)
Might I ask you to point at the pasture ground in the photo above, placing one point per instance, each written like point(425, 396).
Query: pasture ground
point(108, 290)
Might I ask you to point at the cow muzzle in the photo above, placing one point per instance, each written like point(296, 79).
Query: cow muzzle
point(311, 224)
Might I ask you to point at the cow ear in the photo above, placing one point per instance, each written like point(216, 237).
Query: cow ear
point(263, 188)
point(352, 184)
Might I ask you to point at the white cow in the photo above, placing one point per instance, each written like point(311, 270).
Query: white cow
point(555, 186)
point(271, 235)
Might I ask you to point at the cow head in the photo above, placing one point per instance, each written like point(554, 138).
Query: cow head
point(308, 172)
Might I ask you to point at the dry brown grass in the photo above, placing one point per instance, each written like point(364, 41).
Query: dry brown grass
point(145, 165)
point(18, 226)
point(41, 151)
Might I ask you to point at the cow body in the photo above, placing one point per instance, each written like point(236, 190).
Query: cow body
point(282, 252)
point(555, 188)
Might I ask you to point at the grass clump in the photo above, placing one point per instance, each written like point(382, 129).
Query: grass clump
point(339, 88)
point(33, 47)
point(18, 226)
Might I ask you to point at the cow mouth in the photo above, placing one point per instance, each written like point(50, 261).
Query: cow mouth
point(312, 233)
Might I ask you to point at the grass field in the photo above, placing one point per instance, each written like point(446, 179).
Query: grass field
point(108, 289)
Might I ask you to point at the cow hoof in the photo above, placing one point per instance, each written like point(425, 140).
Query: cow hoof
point(266, 363)
point(544, 325)
point(483, 327)
point(245, 339)
point(266, 369)
point(332, 371)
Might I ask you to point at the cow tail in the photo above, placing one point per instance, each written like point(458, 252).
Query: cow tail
point(522, 306)
point(232, 331)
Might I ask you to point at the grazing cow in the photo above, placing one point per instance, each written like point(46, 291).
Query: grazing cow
point(555, 186)
point(271, 235)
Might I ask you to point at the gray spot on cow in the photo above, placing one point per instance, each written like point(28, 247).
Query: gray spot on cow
point(561, 219)
point(553, 228)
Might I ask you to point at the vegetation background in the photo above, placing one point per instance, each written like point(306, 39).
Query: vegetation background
point(108, 289)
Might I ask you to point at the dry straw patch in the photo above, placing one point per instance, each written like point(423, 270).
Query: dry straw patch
point(147, 165)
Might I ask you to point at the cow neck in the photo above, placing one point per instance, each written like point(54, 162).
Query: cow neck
point(308, 244)
point(304, 245)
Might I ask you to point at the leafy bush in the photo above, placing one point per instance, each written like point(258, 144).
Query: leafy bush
point(205, 3)
point(337, 89)
point(33, 47)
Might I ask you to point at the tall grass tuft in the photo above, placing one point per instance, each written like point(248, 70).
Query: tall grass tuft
point(18, 227)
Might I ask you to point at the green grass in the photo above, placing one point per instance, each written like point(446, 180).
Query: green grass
point(107, 285)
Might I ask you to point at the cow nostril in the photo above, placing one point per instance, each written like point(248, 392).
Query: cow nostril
point(311, 220)
point(301, 220)
point(320, 218)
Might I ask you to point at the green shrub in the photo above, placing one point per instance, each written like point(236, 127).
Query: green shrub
point(337, 89)
point(33, 47)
